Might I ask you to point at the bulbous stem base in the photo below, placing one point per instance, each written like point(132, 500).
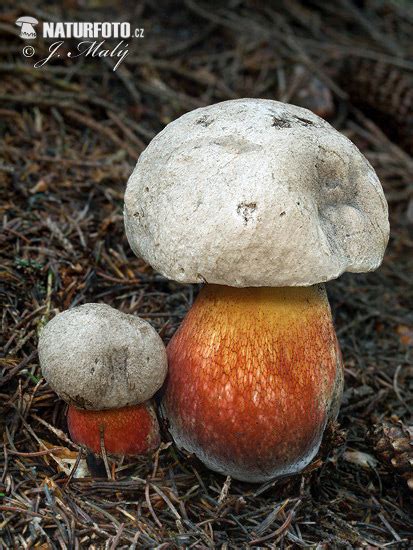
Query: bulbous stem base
point(254, 376)
point(129, 431)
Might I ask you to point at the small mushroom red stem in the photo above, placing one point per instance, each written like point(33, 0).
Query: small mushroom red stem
point(254, 376)
point(125, 431)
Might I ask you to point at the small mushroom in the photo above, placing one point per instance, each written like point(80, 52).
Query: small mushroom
point(263, 202)
point(27, 30)
point(107, 365)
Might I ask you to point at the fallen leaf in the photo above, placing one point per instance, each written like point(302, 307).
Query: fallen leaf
point(405, 334)
point(359, 458)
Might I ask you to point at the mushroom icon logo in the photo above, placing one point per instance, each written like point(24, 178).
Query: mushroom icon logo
point(27, 24)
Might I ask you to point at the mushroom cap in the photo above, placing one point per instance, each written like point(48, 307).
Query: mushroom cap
point(26, 19)
point(254, 192)
point(96, 357)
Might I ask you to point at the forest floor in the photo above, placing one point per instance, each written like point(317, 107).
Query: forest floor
point(71, 133)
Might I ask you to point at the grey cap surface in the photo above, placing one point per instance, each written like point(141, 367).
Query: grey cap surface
point(255, 192)
point(96, 357)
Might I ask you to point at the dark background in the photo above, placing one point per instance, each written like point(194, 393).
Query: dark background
point(70, 135)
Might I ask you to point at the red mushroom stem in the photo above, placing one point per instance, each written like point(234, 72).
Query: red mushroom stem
point(254, 376)
point(125, 431)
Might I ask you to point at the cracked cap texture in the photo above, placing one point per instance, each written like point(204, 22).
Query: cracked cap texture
point(254, 192)
point(96, 357)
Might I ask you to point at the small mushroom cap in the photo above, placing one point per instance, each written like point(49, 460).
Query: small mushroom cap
point(96, 357)
point(255, 192)
point(26, 19)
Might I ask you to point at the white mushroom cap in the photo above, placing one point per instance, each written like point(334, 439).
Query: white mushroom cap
point(96, 357)
point(254, 192)
point(26, 19)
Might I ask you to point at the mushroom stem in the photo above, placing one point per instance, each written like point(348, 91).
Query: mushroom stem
point(254, 376)
point(125, 431)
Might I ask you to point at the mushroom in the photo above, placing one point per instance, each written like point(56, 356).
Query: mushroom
point(27, 26)
point(263, 202)
point(107, 365)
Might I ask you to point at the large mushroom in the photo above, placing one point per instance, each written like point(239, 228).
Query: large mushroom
point(107, 365)
point(263, 202)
